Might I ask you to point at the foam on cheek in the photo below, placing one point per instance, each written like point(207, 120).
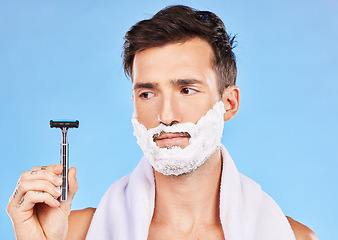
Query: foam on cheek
point(205, 139)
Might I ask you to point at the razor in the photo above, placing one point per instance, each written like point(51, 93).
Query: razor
point(64, 126)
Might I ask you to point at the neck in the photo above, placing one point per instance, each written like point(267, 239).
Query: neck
point(192, 199)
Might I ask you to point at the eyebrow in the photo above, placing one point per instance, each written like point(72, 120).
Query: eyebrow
point(176, 82)
point(181, 82)
point(149, 85)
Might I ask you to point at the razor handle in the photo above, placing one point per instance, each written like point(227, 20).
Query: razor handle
point(65, 166)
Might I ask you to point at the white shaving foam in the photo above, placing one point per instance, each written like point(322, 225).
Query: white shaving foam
point(205, 138)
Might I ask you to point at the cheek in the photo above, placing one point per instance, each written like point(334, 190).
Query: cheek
point(195, 110)
point(146, 115)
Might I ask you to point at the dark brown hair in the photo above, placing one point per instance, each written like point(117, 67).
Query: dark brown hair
point(178, 24)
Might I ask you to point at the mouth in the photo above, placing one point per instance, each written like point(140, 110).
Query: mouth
point(163, 136)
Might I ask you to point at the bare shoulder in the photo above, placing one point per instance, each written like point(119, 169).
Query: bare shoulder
point(79, 222)
point(301, 231)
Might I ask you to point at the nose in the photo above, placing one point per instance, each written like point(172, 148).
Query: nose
point(169, 112)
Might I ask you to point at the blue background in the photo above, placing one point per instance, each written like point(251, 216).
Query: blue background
point(62, 60)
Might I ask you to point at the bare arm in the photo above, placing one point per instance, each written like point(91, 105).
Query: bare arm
point(79, 222)
point(301, 231)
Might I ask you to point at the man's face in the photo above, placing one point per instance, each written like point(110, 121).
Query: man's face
point(173, 84)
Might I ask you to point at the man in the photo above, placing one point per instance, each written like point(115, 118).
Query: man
point(186, 187)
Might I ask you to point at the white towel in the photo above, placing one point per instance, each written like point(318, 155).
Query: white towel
point(246, 212)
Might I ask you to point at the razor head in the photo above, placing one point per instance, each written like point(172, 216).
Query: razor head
point(64, 124)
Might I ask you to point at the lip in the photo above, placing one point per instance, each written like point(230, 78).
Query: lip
point(171, 136)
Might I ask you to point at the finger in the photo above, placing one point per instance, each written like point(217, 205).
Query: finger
point(40, 175)
point(29, 178)
point(55, 168)
point(33, 197)
point(34, 185)
point(73, 187)
point(14, 195)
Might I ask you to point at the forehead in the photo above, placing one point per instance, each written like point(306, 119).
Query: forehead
point(190, 59)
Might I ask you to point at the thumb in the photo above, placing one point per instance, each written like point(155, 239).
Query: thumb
point(73, 187)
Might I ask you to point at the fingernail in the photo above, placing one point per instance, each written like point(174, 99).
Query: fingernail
point(57, 190)
point(57, 202)
point(56, 167)
point(57, 180)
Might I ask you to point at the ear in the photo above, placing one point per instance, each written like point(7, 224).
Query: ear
point(231, 99)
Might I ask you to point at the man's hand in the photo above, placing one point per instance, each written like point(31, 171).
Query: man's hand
point(33, 207)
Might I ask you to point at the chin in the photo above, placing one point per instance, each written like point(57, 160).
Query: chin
point(170, 146)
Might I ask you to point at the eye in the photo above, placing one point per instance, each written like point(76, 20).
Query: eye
point(188, 91)
point(147, 95)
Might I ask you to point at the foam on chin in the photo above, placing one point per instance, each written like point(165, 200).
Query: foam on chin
point(205, 138)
